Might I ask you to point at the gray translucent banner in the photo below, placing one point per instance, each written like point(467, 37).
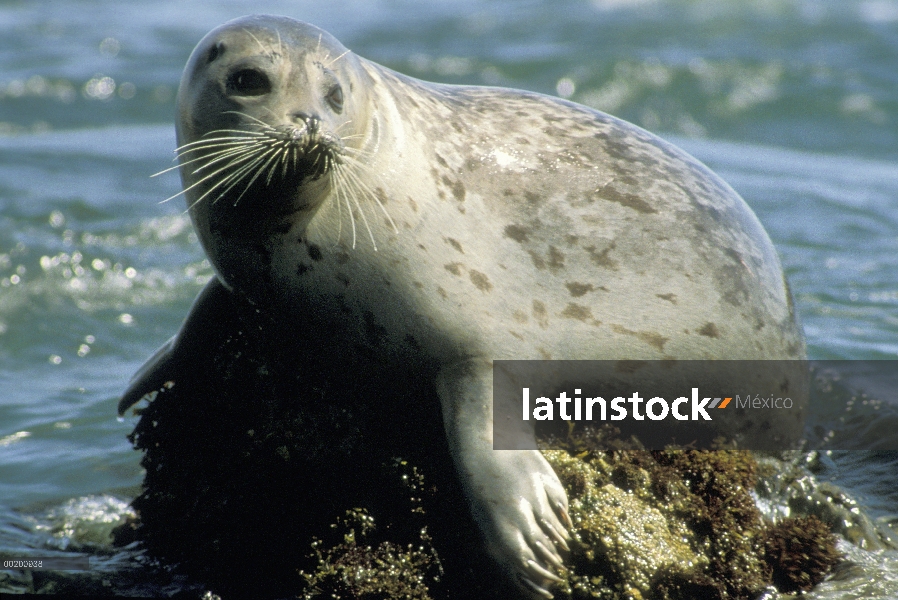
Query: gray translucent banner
point(755, 405)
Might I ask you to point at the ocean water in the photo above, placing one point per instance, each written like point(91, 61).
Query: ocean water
point(793, 102)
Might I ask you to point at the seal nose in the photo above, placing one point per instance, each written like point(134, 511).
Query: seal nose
point(310, 121)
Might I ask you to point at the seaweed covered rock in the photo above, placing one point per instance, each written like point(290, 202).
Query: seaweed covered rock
point(233, 487)
point(253, 462)
point(253, 459)
point(679, 524)
point(801, 552)
point(625, 541)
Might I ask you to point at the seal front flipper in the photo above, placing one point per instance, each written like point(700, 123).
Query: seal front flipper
point(515, 496)
point(182, 356)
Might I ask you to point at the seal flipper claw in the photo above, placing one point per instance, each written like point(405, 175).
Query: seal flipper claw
point(544, 573)
point(548, 555)
point(541, 591)
point(565, 516)
point(557, 537)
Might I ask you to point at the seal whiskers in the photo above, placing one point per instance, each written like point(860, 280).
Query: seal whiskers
point(338, 58)
point(343, 197)
point(266, 153)
point(350, 184)
point(248, 155)
point(233, 150)
point(235, 142)
point(241, 156)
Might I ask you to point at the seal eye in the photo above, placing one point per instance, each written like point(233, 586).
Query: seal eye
point(248, 82)
point(335, 98)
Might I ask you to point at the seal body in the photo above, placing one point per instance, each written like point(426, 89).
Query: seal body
point(436, 228)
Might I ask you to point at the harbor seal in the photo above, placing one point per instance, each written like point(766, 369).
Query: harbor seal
point(433, 229)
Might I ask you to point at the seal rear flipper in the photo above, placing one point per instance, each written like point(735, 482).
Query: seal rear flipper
point(188, 353)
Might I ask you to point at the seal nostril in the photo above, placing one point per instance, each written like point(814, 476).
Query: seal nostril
point(300, 117)
point(310, 121)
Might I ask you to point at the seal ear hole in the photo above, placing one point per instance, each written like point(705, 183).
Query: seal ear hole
point(335, 98)
point(248, 82)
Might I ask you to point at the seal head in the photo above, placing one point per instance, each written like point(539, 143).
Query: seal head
point(267, 114)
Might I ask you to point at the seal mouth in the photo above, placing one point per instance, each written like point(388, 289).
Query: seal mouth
point(307, 150)
point(292, 169)
point(234, 163)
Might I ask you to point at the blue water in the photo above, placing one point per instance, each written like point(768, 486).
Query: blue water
point(793, 102)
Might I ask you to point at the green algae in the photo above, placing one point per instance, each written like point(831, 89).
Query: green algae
point(624, 540)
point(680, 524)
point(358, 569)
point(801, 552)
point(672, 525)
